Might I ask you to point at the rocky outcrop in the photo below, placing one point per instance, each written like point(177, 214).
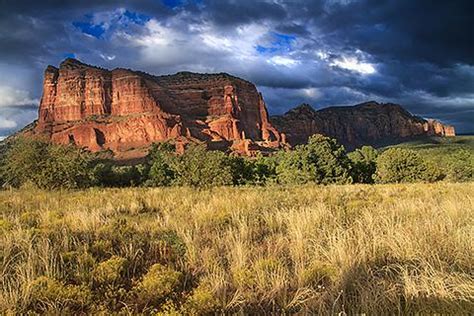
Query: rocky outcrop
point(125, 111)
point(353, 126)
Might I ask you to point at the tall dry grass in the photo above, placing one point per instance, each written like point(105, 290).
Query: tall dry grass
point(372, 249)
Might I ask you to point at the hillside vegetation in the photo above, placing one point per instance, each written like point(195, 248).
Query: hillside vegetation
point(440, 144)
point(374, 249)
point(439, 148)
point(27, 161)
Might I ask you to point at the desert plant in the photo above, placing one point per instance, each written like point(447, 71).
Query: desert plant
point(198, 167)
point(157, 285)
point(46, 165)
point(52, 296)
point(396, 165)
point(378, 249)
point(363, 164)
point(158, 165)
point(460, 167)
point(322, 160)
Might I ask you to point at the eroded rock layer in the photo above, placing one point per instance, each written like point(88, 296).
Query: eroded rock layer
point(369, 123)
point(125, 111)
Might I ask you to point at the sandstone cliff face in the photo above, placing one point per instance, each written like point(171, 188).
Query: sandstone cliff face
point(125, 111)
point(367, 123)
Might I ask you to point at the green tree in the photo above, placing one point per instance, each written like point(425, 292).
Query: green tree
point(364, 164)
point(460, 166)
point(397, 165)
point(263, 169)
point(199, 167)
point(160, 156)
point(321, 160)
point(252, 171)
point(46, 165)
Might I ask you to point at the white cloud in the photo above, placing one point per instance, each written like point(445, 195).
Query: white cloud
point(180, 42)
point(7, 124)
point(107, 57)
point(351, 63)
point(15, 97)
point(283, 61)
point(312, 93)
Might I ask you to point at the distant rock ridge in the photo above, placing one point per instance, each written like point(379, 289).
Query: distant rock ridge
point(368, 123)
point(125, 111)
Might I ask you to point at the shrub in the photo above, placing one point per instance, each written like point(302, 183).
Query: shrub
point(157, 284)
point(364, 164)
point(263, 169)
point(109, 175)
point(322, 160)
point(110, 272)
point(202, 301)
point(23, 161)
point(397, 165)
point(47, 294)
point(77, 266)
point(199, 167)
point(46, 165)
point(460, 166)
point(318, 275)
point(158, 164)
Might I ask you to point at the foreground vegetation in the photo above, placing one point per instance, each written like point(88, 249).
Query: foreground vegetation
point(374, 249)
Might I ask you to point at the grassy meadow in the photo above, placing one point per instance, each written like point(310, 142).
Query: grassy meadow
point(438, 149)
point(375, 249)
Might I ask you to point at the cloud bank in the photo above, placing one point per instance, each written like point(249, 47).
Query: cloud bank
point(332, 52)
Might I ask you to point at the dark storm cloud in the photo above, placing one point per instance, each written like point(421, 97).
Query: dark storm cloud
point(423, 30)
point(332, 52)
point(235, 12)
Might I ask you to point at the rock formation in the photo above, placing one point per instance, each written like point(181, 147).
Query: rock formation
point(368, 123)
point(125, 111)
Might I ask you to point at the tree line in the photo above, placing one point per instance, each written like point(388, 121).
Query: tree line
point(321, 161)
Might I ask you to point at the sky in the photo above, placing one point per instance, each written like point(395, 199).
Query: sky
point(419, 54)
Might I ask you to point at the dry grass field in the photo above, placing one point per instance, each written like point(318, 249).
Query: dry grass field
point(372, 249)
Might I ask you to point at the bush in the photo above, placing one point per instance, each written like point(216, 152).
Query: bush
point(110, 272)
point(460, 166)
point(158, 165)
point(399, 165)
point(322, 160)
point(198, 167)
point(202, 301)
point(364, 164)
point(47, 166)
point(263, 169)
point(157, 284)
point(106, 174)
point(49, 295)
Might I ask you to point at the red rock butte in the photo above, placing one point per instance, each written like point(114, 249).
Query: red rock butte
point(125, 111)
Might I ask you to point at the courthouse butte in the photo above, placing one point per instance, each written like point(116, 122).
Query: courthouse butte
point(125, 111)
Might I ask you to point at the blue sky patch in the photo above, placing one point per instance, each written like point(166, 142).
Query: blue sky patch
point(90, 28)
point(280, 43)
point(69, 55)
point(137, 18)
point(172, 3)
